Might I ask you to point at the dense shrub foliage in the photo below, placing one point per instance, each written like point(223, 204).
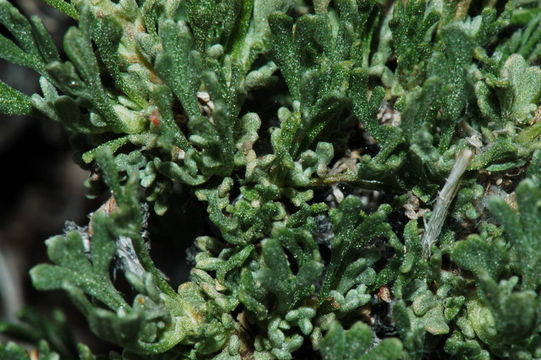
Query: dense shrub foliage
point(370, 172)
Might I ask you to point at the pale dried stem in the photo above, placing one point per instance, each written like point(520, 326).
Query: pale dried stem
point(445, 197)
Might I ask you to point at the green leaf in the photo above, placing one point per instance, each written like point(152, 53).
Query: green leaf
point(34, 328)
point(477, 255)
point(525, 41)
point(13, 102)
point(412, 26)
point(25, 51)
point(357, 343)
point(107, 34)
point(44, 41)
point(411, 331)
point(366, 104)
point(79, 49)
point(164, 100)
point(18, 26)
point(354, 231)
point(12, 351)
point(320, 6)
point(517, 90)
point(65, 7)
point(11, 52)
point(351, 344)
point(388, 349)
point(276, 274)
point(505, 316)
point(286, 52)
point(522, 95)
point(175, 65)
point(74, 268)
point(262, 10)
point(522, 230)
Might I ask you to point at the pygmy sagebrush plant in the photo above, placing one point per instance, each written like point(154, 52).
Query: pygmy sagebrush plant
point(370, 169)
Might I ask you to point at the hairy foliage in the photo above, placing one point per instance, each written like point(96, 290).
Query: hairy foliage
point(317, 135)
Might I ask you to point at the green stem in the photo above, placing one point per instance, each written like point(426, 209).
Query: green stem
point(113, 145)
